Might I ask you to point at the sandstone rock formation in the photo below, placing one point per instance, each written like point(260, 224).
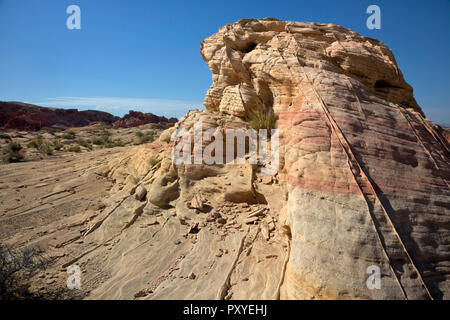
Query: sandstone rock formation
point(23, 116)
point(363, 182)
point(367, 174)
point(445, 131)
point(136, 118)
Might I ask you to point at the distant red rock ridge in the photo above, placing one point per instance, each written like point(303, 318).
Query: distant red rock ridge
point(136, 118)
point(29, 117)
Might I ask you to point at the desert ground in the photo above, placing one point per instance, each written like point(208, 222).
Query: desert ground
point(68, 206)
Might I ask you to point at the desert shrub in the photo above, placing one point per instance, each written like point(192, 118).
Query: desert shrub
point(16, 269)
point(114, 143)
point(5, 136)
point(75, 148)
point(98, 141)
point(84, 143)
point(146, 138)
point(42, 146)
point(139, 134)
point(13, 146)
point(105, 138)
point(35, 143)
point(13, 152)
point(69, 135)
point(104, 126)
point(57, 145)
point(106, 133)
point(52, 131)
point(167, 139)
point(118, 142)
point(159, 126)
point(107, 142)
point(46, 149)
point(153, 162)
point(262, 119)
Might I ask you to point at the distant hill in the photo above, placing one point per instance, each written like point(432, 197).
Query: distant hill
point(29, 117)
point(135, 118)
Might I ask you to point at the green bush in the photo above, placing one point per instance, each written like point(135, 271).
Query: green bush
point(85, 143)
point(75, 148)
point(57, 145)
point(69, 135)
point(109, 144)
point(153, 162)
point(13, 152)
point(46, 149)
point(106, 141)
point(40, 145)
point(35, 143)
point(146, 138)
point(118, 142)
point(262, 119)
point(98, 141)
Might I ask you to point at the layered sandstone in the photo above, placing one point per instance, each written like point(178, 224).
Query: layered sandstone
point(367, 174)
point(363, 182)
point(445, 131)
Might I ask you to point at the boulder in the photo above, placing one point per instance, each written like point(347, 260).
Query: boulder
point(165, 187)
point(197, 203)
point(141, 192)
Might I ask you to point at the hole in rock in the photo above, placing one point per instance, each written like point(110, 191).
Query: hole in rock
point(250, 47)
point(384, 86)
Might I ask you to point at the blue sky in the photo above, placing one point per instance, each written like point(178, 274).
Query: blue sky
point(145, 55)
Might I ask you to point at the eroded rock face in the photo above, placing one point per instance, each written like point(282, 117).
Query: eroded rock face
point(445, 131)
point(362, 186)
point(367, 174)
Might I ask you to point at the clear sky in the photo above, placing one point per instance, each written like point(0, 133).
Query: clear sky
point(145, 55)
